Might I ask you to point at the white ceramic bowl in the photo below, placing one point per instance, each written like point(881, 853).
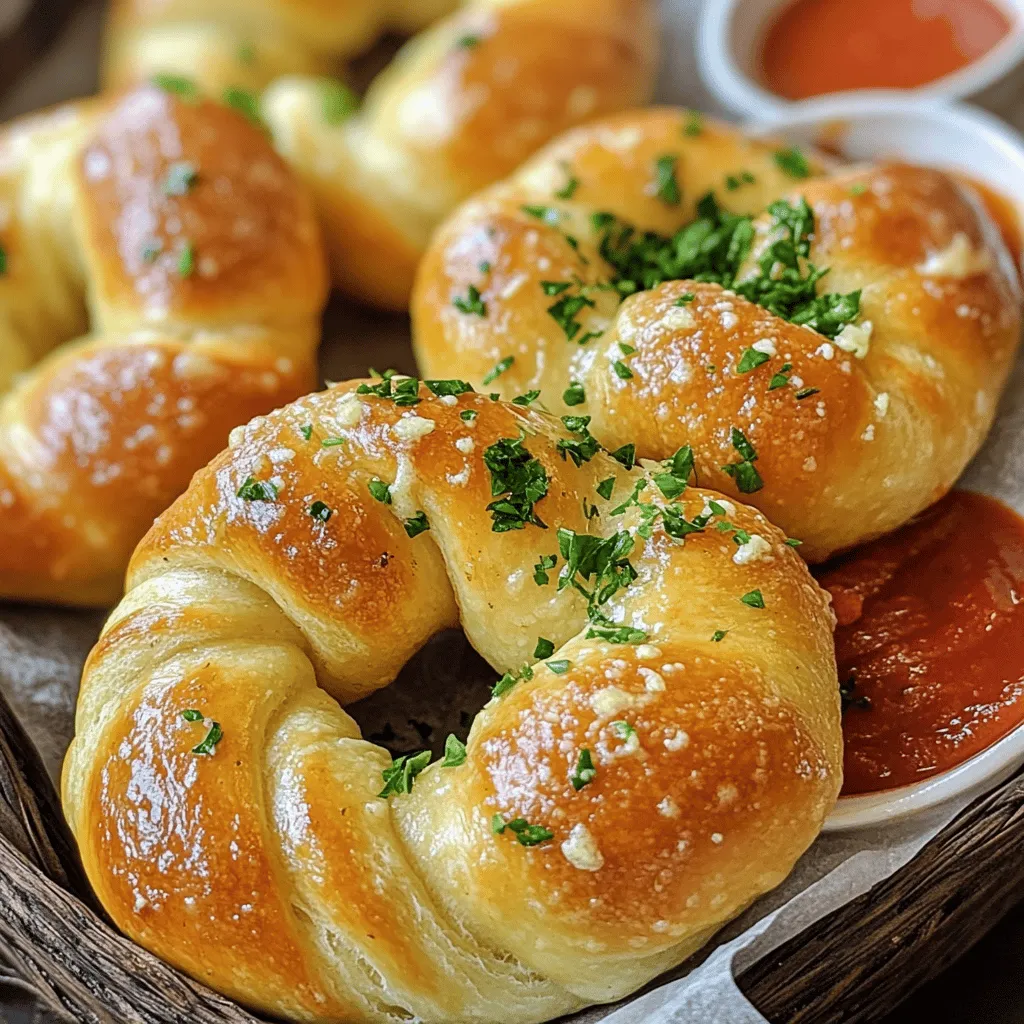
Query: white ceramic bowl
point(872, 126)
point(729, 41)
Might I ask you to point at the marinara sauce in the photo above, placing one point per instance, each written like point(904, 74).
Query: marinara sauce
point(820, 46)
point(930, 641)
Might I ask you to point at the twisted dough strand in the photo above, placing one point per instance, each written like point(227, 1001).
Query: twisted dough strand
point(462, 105)
point(860, 435)
point(272, 869)
point(180, 236)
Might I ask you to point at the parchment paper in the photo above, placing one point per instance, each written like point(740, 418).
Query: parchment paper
point(42, 650)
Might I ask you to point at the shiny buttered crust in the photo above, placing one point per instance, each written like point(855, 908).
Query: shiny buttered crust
point(183, 239)
point(273, 871)
point(863, 431)
point(463, 104)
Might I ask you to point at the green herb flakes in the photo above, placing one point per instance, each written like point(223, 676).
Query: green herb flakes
point(379, 490)
point(544, 649)
point(454, 752)
point(518, 482)
point(585, 772)
point(318, 510)
point(666, 182)
point(472, 303)
point(498, 369)
point(399, 777)
point(257, 490)
point(417, 524)
point(337, 102)
point(792, 162)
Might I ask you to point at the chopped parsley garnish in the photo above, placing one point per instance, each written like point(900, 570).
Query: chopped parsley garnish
point(719, 635)
point(735, 181)
point(793, 542)
point(246, 103)
point(754, 599)
point(404, 392)
point(467, 42)
point(332, 442)
point(806, 393)
point(685, 299)
point(540, 569)
point(565, 311)
point(693, 125)
point(544, 649)
point(554, 287)
point(246, 53)
point(454, 752)
point(181, 176)
point(518, 482)
point(622, 371)
point(150, 251)
point(468, 415)
point(751, 360)
point(606, 487)
point(210, 741)
point(666, 183)
point(574, 394)
point(623, 730)
point(257, 490)
point(442, 388)
point(318, 510)
point(568, 190)
point(605, 561)
point(792, 162)
point(472, 303)
point(484, 267)
point(584, 447)
point(498, 369)
point(192, 715)
point(379, 490)
point(509, 679)
point(585, 771)
point(187, 260)
point(527, 834)
point(177, 85)
point(780, 379)
point(399, 777)
point(528, 398)
point(337, 102)
point(306, 430)
point(858, 188)
point(559, 667)
point(417, 524)
point(712, 249)
point(744, 472)
point(547, 214)
point(677, 472)
point(625, 455)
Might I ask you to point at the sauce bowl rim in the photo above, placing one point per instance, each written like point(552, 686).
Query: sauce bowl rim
point(745, 96)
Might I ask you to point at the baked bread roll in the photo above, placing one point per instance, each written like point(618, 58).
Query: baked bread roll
point(462, 105)
point(839, 403)
point(663, 746)
point(177, 235)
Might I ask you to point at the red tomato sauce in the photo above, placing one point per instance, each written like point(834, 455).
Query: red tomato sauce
point(821, 46)
point(930, 641)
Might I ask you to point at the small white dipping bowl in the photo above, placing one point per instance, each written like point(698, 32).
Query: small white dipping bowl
point(731, 33)
point(874, 126)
